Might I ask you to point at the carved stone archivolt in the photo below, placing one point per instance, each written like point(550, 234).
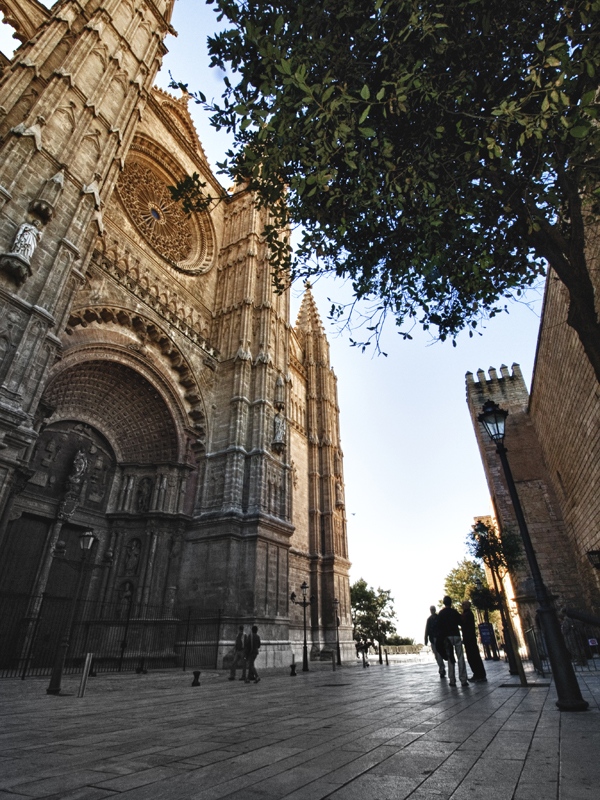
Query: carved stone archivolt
point(183, 241)
point(148, 331)
point(120, 402)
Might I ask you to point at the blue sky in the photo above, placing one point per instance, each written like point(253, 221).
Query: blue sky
point(414, 479)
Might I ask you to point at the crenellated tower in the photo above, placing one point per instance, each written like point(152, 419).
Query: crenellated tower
point(534, 486)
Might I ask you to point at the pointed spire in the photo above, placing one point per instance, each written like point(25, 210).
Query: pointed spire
point(309, 319)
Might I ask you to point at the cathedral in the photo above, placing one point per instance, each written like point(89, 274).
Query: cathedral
point(153, 389)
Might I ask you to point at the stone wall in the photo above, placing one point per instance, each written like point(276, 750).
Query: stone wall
point(565, 412)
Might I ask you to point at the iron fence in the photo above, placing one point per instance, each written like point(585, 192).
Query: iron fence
point(581, 633)
point(123, 637)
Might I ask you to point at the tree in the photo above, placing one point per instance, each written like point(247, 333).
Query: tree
point(439, 153)
point(369, 607)
point(502, 554)
point(462, 580)
point(394, 639)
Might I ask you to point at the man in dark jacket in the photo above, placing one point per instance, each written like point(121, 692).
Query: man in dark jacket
point(252, 648)
point(239, 657)
point(469, 637)
point(432, 631)
point(450, 622)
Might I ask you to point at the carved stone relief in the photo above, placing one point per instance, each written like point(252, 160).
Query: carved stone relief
point(133, 552)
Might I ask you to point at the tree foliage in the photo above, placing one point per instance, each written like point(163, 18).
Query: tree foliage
point(368, 607)
point(394, 639)
point(439, 153)
point(501, 553)
point(462, 580)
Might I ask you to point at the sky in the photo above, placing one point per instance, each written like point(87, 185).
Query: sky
point(413, 475)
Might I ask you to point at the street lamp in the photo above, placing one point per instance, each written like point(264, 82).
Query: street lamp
point(493, 418)
point(304, 603)
point(336, 604)
point(86, 542)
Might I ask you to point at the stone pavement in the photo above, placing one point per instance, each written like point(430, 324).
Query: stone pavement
point(387, 732)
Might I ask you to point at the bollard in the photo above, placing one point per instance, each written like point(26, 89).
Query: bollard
point(85, 674)
point(386, 658)
point(293, 667)
point(196, 674)
point(333, 660)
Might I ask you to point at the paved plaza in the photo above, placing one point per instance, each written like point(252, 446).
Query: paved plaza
point(383, 733)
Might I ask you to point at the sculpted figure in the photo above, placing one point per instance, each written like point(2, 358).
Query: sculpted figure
point(132, 556)
point(279, 434)
point(26, 239)
point(80, 463)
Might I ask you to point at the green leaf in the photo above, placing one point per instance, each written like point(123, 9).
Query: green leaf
point(579, 131)
point(365, 93)
point(364, 115)
point(588, 97)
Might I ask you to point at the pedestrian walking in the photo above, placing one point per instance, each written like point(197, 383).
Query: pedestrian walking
point(252, 647)
point(469, 637)
point(432, 631)
point(239, 656)
point(450, 622)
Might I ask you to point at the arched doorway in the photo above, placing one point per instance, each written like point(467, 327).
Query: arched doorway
point(133, 486)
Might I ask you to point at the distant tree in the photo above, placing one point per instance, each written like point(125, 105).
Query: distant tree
point(462, 580)
point(501, 553)
point(398, 640)
point(369, 606)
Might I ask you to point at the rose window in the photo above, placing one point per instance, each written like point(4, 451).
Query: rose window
point(160, 220)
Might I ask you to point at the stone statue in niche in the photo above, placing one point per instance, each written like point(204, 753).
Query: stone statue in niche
point(337, 463)
point(97, 479)
point(339, 494)
point(125, 598)
point(70, 501)
point(132, 556)
point(80, 464)
point(143, 495)
point(17, 261)
point(278, 432)
point(7, 342)
point(26, 240)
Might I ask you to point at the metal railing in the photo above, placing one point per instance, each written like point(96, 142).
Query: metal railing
point(581, 632)
point(122, 636)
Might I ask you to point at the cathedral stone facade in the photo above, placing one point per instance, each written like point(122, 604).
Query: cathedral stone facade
point(152, 387)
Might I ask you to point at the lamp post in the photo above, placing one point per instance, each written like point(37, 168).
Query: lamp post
point(86, 542)
point(493, 419)
point(336, 604)
point(379, 641)
point(304, 603)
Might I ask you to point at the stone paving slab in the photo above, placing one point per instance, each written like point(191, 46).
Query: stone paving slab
point(394, 732)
